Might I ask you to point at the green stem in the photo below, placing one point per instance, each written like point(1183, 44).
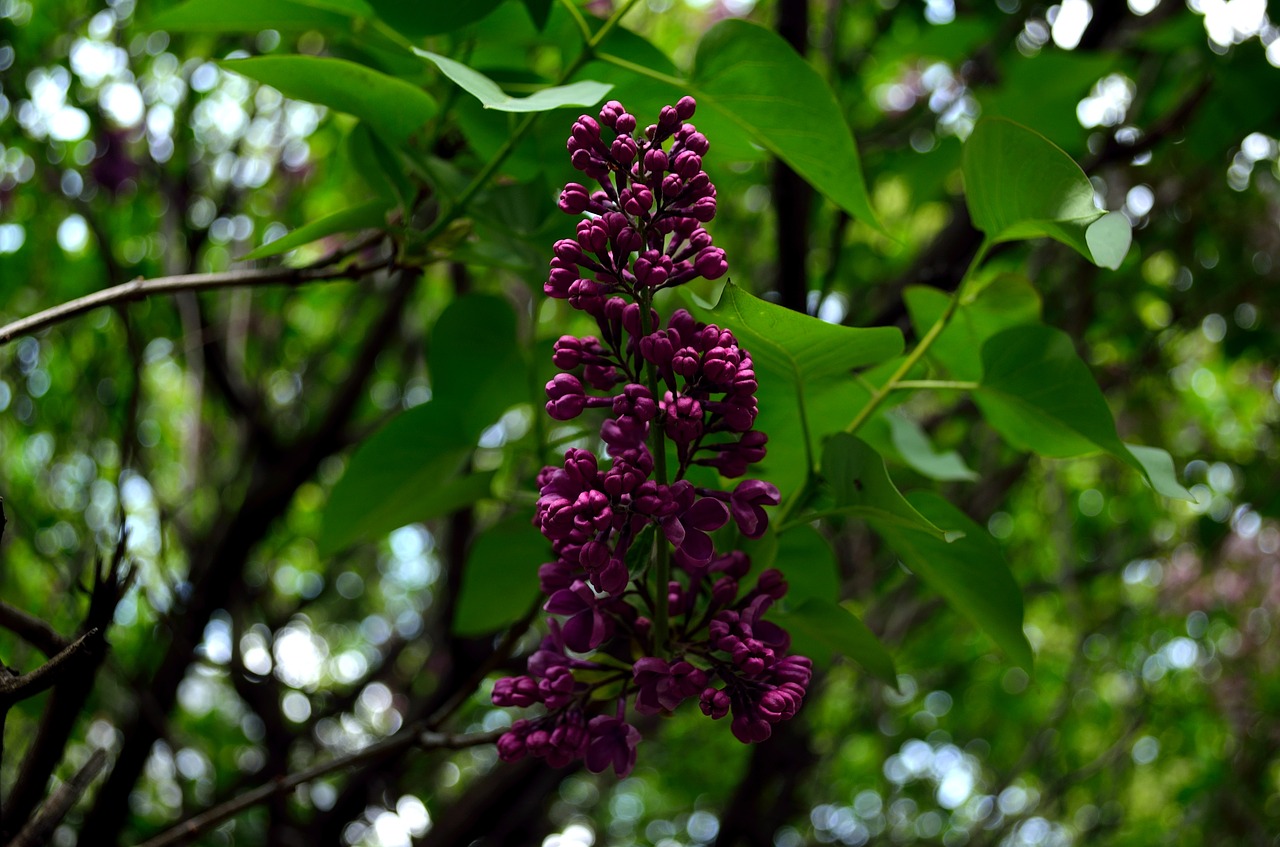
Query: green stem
point(923, 347)
point(642, 70)
point(576, 14)
point(945, 384)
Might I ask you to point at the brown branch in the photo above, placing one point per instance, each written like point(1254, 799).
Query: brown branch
point(205, 821)
point(32, 630)
point(40, 828)
point(141, 288)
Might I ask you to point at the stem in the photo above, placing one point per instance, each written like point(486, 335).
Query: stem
point(923, 347)
point(576, 14)
point(661, 550)
point(944, 384)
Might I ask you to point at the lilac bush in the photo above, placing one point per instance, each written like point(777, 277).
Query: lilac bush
point(645, 610)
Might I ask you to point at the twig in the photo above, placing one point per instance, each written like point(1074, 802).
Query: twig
point(140, 288)
point(205, 821)
point(39, 829)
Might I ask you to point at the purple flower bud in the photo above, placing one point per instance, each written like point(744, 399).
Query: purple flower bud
point(697, 142)
point(626, 124)
point(672, 185)
point(635, 401)
point(624, 149)
point(612, 578)
point(685, 107)
point(566, 397)
point(711, 263)
point(568, 251)
point(715, 703)
point(511, 745)
point(750, 729)
point(657, 348)
point(610, 112)
point(519, 691)
point(724, 591)
point(574, 199)
point(655, 160)
point(668, 119)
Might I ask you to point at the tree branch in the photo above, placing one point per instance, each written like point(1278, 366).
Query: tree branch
point(140, 288)
point(423, 740)
point(32, 630)
point(38, 830)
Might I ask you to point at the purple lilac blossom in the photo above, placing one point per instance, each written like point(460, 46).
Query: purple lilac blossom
point(690, 386)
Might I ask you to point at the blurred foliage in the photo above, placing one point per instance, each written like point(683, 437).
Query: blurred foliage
point(262, 631)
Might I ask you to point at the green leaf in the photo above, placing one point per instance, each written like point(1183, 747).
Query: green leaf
point(1006, 300)
point(797, 356)
point(499, 581)
point(820, 628)
point(1038, 394)
point(913, 444)
point(1157, 464)
point(1019, 185)
point(371, 215)
point(807, 561)
point(970, 572)
point(539, 12)
point(219, 16)
point(747, 77)
point(1108, 239)
point(410, 469)
point(395, 109)
point(582, 93)
point(378, 165)
point(416, 19)
point(861, 486)
point(352, 21)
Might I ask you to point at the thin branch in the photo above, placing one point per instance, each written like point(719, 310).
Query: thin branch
point(40, 828)
point(141, 288)
point(32, 630)
point(14, 689)
point(203, 822)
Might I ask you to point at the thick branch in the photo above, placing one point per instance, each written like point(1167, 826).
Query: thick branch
point(141, 288)
point(189, 829)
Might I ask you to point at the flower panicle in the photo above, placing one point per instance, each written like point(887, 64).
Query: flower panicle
point(690, 385)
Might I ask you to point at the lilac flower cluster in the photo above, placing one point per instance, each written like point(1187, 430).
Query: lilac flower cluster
point(625, 626)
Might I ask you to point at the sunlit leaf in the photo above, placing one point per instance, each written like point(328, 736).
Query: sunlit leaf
point(582, 93)
point(1019, 185)
point(395, 109)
